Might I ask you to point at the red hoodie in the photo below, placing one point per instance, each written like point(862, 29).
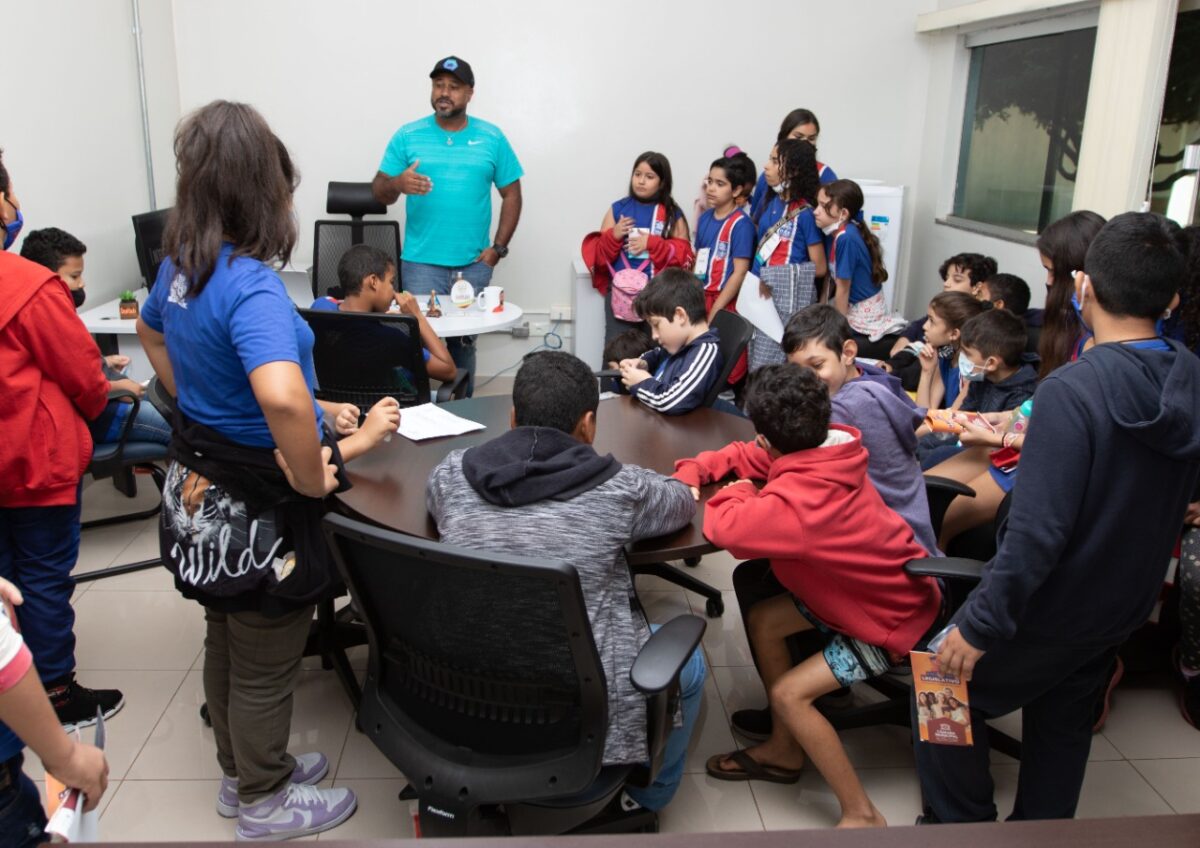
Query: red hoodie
point(51, 387)
point(830, 538)
point(600, 250)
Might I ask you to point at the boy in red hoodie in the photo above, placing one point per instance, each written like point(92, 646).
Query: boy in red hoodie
point(839, 551)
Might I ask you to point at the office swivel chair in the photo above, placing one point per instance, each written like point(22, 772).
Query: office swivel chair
point(496, 712)
point(332, 238)
point(147, 242)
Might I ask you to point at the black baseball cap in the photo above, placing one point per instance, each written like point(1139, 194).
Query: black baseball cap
point(455, 67)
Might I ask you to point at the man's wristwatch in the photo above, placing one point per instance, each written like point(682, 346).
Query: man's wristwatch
point(501, 250)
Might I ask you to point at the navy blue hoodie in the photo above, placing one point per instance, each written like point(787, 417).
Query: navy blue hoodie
point(1107, 470)
point(681, 379)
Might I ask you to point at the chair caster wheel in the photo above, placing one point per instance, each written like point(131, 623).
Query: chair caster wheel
point(204, 716)
point(691, 562)
point(714, 607)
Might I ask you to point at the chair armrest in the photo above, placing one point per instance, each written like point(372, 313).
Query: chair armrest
point(456, 389)
point(945, 484)
point(606, 373)
point(950, 568)
point(661, 659)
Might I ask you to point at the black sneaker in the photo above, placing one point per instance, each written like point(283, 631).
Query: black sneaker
point(754, 725)
point(77, 705)
point(1189, 692)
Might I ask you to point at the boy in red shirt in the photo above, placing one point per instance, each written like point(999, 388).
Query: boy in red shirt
point(840, 553)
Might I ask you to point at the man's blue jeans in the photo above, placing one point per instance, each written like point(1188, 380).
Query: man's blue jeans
point(39, 546)
point(419, 279)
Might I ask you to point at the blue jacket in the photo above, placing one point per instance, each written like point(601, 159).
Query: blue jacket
point(1107, 470)
point(682, 379)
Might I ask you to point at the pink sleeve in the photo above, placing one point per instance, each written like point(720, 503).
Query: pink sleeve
point(12, 673)
point(15, 658)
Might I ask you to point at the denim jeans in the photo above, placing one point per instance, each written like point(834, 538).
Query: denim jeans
point(691, 689)
point(420, 279)
point(38, 548)
point(148, 425)
point(22, 820)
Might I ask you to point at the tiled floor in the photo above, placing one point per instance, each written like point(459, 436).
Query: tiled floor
point(134, 632)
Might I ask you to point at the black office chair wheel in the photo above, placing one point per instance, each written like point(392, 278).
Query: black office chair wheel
point(714, 607)
point(204, 716)
point(691, 562)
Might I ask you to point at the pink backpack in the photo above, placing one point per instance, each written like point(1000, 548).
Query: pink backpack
point(626, 285)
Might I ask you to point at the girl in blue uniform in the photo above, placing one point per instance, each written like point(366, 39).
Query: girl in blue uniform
point(725, 234)
point(790, 255)
point(800, 124)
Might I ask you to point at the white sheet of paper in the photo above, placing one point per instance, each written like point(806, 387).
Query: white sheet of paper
point(429, 421)
point(759, 310)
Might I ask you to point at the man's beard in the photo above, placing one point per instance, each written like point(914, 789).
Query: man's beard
point(451, 112)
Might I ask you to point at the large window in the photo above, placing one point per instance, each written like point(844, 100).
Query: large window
point(1172, 186)
point(1022, 126)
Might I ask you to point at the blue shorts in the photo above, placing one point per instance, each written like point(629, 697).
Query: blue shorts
point(850, 660)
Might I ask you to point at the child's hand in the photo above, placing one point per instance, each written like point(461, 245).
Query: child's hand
point(117, 361)
point(928, 358)
point(407, 304)
point(631, 363)
point(129, 386)
point(622, 227)
point(1191, 517)
point(346, 421)
point(631, 376)
point(85, 769)
point(9, 592)
point(637, 243)
point(737, 482)
point(974, 433)
point(383, 419)
point(328, 484)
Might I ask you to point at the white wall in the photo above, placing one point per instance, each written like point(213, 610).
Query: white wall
point(72, 131)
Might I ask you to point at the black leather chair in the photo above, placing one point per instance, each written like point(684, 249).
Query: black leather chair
point(496, 712)
point(332, 238)
point(120, 461)
point(734, 332)
point(363, 357)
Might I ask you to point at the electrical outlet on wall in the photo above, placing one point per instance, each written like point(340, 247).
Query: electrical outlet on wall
point(560, 312)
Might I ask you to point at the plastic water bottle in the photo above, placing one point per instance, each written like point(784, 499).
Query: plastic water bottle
point(1020, 417)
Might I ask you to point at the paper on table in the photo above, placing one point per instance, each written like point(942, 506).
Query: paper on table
point(759, 310)
point(429, 421)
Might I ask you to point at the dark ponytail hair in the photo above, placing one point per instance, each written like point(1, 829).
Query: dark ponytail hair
point(796, 118)
point(1065, 244)
point(846, 194)
point(739, 170)
point(957, 308)
point(660, 165)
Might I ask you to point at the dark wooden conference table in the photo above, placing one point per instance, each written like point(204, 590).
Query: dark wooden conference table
point(389, 482)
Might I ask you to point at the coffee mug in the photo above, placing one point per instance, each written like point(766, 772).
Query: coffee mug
point(491, 299)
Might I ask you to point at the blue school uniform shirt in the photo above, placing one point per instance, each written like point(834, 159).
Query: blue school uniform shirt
point(951, 379)
point(762, 191)
point(241, 320)
point(451, 225)
point(644, 217)
point(795, 236)
point(852, 261)
point(728, 238)
point(328, 304)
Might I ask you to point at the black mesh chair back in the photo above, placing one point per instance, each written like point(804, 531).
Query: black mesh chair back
point(735, 332)
point(332, 238)
point(483, 684)
point(363, 357)
point(147, 242)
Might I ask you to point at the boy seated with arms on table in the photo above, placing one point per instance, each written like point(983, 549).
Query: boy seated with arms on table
point(839, 553)
point(630, 344)
point(367, 277)
point(62, 253)
point(674, 377)
point(543, 480)
point(1109, 463)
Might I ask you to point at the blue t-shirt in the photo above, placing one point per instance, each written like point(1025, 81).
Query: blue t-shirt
point(761, 190)
point(644, 218)
point(726, 239)
point(794, 237)
point(852, 261)
point(452, 224)
point(951, 379)
point(241, 320)
point(328, 304)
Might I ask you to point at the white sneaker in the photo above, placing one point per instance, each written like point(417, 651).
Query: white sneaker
point(296, 810)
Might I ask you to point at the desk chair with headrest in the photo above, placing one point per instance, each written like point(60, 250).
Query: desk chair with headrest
point(496, 712)
point(119, 461)
point(332, 238)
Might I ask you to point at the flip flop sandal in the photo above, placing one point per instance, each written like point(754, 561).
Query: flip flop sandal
point(750, 769)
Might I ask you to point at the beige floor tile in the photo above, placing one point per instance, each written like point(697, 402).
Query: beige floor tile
point(1177, 781)
point(1102, 749)
point(361, 759)
point(1145, 724)
point(100, 547)
point(150, 630)
point(154, 579)
point(1110, 788)
point(165, 810)
point(740, 688)
point(663, 606)
point(711, 735)
point(725, 638)
point(101, 500)
point(705, 805)
point(812, 804)
point(715, 569)
point(380, 814)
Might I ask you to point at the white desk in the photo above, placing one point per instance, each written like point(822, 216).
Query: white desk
point(105, 320)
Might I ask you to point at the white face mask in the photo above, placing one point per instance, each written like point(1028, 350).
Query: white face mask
point(779, 188)
point(832, 228)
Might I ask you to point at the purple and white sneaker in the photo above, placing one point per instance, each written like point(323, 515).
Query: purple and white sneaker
point(310, 769)
point(294, 811)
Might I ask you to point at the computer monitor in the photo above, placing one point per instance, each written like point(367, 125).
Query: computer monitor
point(147, 241)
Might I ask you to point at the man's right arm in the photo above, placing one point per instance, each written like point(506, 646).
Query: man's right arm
point(386, 189)
point(664, 505)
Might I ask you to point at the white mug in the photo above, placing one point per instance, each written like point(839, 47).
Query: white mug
point(491, 299)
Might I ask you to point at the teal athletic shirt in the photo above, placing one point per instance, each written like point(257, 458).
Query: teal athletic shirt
point(452, 224)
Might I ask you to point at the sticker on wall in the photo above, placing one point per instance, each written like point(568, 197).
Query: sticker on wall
point(879, 225)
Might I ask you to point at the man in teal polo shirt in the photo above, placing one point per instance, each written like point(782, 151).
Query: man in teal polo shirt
point(447, 164)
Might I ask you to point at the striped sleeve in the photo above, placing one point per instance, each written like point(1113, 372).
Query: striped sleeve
point(686, 391)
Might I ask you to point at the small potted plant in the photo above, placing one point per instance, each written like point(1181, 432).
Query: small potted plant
point(129, 305)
